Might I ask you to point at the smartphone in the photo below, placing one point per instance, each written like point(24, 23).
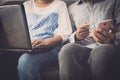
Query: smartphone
point(105, 24)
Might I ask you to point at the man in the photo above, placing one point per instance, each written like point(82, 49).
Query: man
point(93, 53)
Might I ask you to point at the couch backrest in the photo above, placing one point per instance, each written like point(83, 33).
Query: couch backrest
point(3, 2)
point(69, 2)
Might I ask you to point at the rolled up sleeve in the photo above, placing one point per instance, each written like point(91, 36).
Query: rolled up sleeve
point(64, 26)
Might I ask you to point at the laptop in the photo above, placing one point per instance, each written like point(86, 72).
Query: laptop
point(14, 32)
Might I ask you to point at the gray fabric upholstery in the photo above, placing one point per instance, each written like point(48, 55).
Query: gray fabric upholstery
point(5, 1)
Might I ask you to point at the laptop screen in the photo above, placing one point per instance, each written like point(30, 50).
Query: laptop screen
point(14, 34)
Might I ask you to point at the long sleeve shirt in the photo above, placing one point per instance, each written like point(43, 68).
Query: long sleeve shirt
point(48, 21)
point(92, 13)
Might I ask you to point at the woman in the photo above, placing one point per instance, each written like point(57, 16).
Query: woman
point(49, 25)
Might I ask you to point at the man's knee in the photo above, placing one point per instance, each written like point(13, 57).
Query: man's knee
point(73, 52)
point(102, 55)
point(105, 48)
point(66, 52)
point(69, 50)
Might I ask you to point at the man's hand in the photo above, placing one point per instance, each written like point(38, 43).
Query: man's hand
point(82, 31)
point(104, 36)
point(38, 42)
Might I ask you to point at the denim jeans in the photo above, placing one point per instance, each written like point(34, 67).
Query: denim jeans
point(29, 64)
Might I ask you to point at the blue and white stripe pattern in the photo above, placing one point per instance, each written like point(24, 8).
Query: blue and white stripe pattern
point(42, 26)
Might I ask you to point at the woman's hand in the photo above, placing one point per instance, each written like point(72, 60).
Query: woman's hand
point(38, 42)
point(53, 41)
